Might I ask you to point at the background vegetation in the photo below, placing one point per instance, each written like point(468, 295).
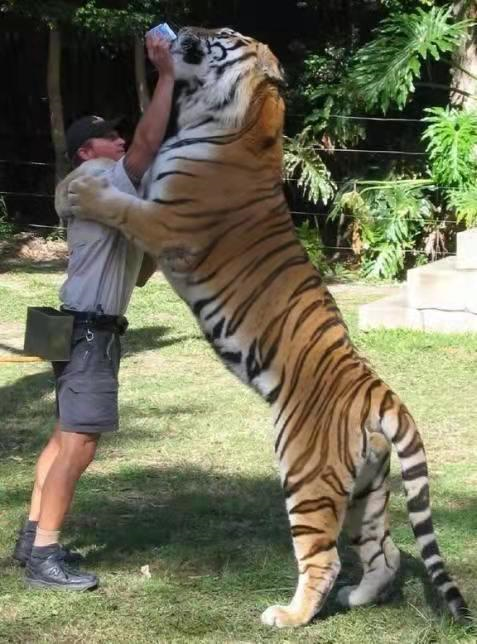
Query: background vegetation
point(382, 111)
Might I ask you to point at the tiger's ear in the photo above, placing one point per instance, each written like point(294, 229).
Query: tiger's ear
point(270, 67)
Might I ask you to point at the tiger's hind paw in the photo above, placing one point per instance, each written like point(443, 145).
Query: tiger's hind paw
point(283, 616)
point(351, 596)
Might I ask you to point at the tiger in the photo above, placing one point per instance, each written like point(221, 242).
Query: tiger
point(217, 221)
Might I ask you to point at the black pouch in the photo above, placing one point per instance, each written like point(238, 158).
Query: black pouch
point(48, 333)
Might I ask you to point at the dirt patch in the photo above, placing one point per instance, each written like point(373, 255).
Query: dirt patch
point(28, 248)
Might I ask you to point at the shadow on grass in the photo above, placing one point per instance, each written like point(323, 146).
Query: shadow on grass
point(187, 522)
point(10, 349)
point(26, 408)
point(16, 265)
point(191, 520)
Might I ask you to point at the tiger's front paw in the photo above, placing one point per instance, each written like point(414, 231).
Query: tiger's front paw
point(284, 616)
point(89, 197)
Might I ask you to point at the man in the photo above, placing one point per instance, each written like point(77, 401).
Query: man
point(102, 271)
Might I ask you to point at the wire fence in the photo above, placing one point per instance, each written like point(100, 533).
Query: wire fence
point(34, 163)
point(8, 193)
point(378, 119)
point(313, 146)
point(364, 151)
point(292, 212)
point(339, 150)
point(367, 183)
point(321, 148)
point(305, 213)
point(346, 117)
point(49, 227)
point(405, 251)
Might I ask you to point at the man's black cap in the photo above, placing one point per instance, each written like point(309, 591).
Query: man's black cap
point(87, 127)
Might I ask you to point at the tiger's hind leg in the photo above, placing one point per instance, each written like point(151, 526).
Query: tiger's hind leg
point(316, 516)
point(368, 527)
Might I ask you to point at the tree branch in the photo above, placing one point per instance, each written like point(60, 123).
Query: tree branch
point(447, 88)
point(461, 69)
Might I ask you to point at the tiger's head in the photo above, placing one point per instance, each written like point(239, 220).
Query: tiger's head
point(220, 72)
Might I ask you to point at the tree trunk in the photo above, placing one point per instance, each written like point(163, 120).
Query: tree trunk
point(140, 74)
point(56, 104)
point(465, 58)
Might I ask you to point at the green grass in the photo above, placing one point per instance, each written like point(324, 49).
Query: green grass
point(189, 487)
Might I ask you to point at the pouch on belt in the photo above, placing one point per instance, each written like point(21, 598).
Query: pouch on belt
point(48, 333)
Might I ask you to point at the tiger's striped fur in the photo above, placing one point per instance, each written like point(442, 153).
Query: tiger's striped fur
point(217, 220)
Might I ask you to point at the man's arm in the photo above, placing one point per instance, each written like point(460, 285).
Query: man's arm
point(151, 128)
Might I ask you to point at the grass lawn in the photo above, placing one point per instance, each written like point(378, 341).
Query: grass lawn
point(189, 488)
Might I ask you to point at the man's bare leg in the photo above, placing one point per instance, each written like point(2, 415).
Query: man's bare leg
point(75, 453)
point(45, 461)
point(27, 533)
point(46, 567)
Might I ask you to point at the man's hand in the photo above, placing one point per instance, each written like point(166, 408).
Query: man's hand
point(159, 53)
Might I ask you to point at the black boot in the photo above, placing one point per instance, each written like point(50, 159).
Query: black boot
point(46, 568)
point(24, 544)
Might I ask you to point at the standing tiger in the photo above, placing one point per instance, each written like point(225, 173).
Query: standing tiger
point(217, 221)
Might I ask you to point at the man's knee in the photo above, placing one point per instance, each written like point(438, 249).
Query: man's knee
point(78, 449)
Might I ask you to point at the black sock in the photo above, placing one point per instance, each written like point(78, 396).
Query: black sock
point(30, 526)
point(42, 552)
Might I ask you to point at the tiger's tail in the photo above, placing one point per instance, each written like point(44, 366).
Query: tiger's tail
point(399, 427)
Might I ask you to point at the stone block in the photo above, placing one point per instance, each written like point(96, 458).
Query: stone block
point(449, 321)
point(467, 249)
point(389, 312)
point(441, 286)
point(394, 313)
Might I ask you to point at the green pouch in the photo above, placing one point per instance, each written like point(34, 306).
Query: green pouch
point(48, 333)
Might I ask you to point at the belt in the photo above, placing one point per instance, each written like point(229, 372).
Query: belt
point(114, 323)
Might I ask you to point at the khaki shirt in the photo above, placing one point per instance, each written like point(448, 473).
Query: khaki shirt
point(103, 265)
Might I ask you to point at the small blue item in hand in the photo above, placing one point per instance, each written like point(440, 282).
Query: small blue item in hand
point(162, 30)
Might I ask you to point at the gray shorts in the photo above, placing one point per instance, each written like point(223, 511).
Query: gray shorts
point(87, 386)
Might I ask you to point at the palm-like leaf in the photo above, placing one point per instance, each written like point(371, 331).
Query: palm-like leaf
point(451, 143)
point(465, 204)
point(301, 161)
point(388, 262)
point(389, 216)
point(384, 70)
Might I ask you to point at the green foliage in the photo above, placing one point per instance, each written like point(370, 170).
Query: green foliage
point(337, 103)
point(384, 70)
point(394, 5)
point(107, 23)
point(6, 228)
point(464, 203)
point(451, 144)
point(118, 23)
point(388, 217)
point(57, 234)
point(49, 12)
point(391, 217)
point(301, 160)
point(311, 241)
point(321, 93)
